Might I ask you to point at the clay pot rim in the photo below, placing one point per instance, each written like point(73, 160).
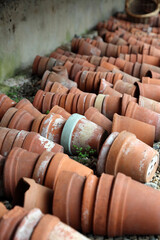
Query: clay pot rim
point(67, 131)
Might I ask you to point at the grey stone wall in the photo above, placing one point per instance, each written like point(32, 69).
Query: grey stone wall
point(31, 27)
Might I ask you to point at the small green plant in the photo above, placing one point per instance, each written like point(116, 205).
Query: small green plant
point(14, 94)
point(47, 112)
point(84, 153)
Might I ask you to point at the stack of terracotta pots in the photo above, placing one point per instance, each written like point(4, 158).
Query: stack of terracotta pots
point(19, 223)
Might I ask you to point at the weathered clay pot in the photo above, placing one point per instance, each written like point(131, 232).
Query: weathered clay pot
point(58, 88)
point(47, 102)
point(121, 123)
point(38, 99)
point(8, 141)
point(67, 198)
point(36, 123)
point(30, 194)
point(88, 202)
point(103, 85)
point(3, 134)
point(17, 121)
point(61, 162)
point(99, 102)
point(41, 166)
point(104, 153)
point(20, 137)
point(59, 110)
point(8, 116)
point(124, 87)
point(112, 92)
point(129, 197)
point(87, 49)
point(148, 90)
point(61, 70)
point(111, 105)
point(35, 64)
point(34, 142)
point(5, 104)
point(10, 221)
point(125, 100)
point(19, 163)
point(95, 116)
point(69, 102)
point(74, 134)
point(152, 74)
point(28, 223)
point(89, 101)
point(51, 127)
point(132, 157)
point(145, 115)
point(42, 66)
point(101, 208)
point(27, 105)
point(153, 81)
point(149, 103)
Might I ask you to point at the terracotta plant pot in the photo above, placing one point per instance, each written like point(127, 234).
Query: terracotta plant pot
point(121, 123)
point(37, 122)
point(19, 163)
point(132, 157)
point(88, 202)
point(17, 121)
point(99, 102)
point(67, 198)
point(149, 103)
point(101, 162)
point(61, 162)
point(73, 134)
point(28, 223)
point(152, 74)
point(148, 90)
point(61, 70)
point(51, 127)
point(30, 194)
point(137, 200)
point(34, 142)
point(111, 105)
point(5, 104)
point(95, 116)
point(59, 110)
point(27, 105)
point(8, 116)
point(145, 115)
point(124, 87)
point(38, 99)
point(87, 49)
point(10, 221)
point(153, 81)
point(112, 92)
point(3, 210)
point(125, 101)
point(8, 141)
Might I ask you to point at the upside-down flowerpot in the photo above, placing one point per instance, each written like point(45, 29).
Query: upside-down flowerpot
point(61, 70)
point(36, 123)
point(88, 49)
point(5, 104)
point(41, 167)
point(112, 92)
point(67, 198)
point(74, 134)
point(132, 210)
point(59, 110)
point(19, 163)
point(103, 85)
point(50, 227)
point(132, 157)
point(27, 105)
point(10, 221)
point(148, 90)
point(145, 115)
point(8, 116)
point(34, 142)
point(99, 102)
point(101, 208)
point(146, 67)
point(8, 142)
point(153, 81)
point(30, 194)
point(124, 87)
point(125, 100)
point(28, 223)
point(111, 105)
point(121, 123)
point(88, 202)
point(61, 162)
point(51, 127)
point(149, 103)
point(101, 162)
point(17, 121)
point(152, 74)
point(95, 116)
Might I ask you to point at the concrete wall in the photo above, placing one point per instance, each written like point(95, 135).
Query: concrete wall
point(32, 27)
